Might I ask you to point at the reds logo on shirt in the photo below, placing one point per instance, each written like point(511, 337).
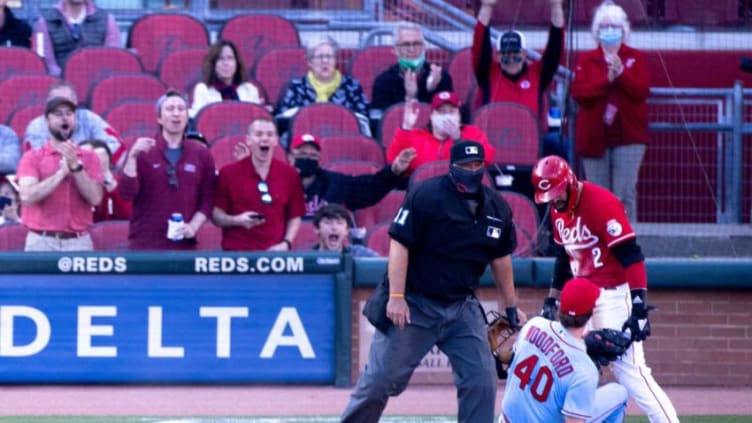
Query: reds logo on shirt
point(576, 237)
point(525, 84)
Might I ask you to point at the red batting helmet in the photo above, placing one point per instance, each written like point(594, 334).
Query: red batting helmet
point(551, 177)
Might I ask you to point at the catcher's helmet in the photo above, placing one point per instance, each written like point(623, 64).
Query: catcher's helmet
point(551, 177)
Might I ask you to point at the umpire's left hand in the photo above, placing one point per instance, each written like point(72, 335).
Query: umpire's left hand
point(398, 312)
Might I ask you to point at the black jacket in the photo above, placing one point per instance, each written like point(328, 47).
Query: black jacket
point(14, 32)
point(389, 87)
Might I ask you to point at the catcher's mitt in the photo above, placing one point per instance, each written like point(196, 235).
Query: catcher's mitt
point(606, 345)
point(499, 332)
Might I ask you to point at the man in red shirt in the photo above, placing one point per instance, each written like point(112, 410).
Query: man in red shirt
point(435, 141)
point(59, 184)
point(259, 201)
point(165, 175)
point(596, 242)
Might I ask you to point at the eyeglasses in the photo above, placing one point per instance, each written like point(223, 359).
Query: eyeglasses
point(263, 188)
point(75, 32)
point(410, 44)
point(172, 176)
point(323, 57)
point(507, 59)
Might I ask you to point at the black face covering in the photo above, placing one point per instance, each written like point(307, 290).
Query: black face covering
point(466, 181)
point(306, 167)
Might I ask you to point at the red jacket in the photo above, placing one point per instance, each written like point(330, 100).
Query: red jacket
point(630, 91)
point(430, 149)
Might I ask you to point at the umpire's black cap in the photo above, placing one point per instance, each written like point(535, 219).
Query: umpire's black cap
point(466, 152)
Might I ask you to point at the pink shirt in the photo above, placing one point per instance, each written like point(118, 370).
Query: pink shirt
point(64, 209)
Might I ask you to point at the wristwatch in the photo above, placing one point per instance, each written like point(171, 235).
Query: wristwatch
point(79, 167)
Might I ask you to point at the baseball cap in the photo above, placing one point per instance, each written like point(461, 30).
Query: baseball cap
point(299, 140)
point(578, 297)
point(466, 151)
point(445, 97)
point(511, 42)
point(56, 102)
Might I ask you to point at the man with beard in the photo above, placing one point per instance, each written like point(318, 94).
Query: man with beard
point(259, 201)
point(324, 187)
point(332, 223)
point(168, 175)
point(59, 184)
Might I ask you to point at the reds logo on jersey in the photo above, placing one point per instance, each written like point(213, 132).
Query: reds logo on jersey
point(577, 237)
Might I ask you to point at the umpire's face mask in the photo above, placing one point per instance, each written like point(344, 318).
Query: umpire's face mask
point(467, 181)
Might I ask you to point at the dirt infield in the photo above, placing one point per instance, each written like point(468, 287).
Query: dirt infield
point(289, 401)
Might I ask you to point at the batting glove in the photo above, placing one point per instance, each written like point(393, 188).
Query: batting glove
point(550, 308)
point(638, 325)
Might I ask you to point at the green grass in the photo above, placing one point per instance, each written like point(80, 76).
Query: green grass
point(436, 419)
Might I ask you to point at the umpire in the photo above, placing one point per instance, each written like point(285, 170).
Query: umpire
point(445, 234)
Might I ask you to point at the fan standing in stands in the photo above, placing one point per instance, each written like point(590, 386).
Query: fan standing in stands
point(13, 31)
point(412, 77)
point(74, 24)
point(59, 184)
point(112, 206)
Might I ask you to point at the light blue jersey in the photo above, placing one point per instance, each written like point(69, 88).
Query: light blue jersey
point(550, 377)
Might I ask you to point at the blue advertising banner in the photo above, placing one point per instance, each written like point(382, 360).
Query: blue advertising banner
point(167, 328)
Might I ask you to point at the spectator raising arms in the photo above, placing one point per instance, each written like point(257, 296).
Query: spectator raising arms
point(59, 184)
point(611, 87)
point(259, 200)
point(412, 78)
point(165, 175)
point(223, 77)
point(435, 142)
point(74, 24)
point(13, 31)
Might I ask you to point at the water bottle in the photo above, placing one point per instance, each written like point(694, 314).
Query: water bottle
point(173, 225)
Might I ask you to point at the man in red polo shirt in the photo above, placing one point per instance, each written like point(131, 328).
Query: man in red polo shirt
point(259, 200)
point(59, 183)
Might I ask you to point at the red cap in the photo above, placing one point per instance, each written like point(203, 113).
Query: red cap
point(578, 297)
point(305, 139)
point(445, 97)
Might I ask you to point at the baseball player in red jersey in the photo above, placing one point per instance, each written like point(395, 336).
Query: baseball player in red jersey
point(596, 241)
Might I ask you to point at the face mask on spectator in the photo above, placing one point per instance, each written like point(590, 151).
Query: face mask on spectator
point(306, 166)
point(610, 36)
point(412, 64)
point(438, 120)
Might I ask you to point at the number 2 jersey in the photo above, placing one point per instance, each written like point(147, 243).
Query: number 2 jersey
point(589, 232)
point(551, 376)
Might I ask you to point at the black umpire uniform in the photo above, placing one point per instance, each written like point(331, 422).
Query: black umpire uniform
point(452, 227)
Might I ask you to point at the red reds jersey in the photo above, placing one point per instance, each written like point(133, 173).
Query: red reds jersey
point(589, 233)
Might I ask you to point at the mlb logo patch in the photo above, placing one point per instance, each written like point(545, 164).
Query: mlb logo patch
point(613, 227)
point(471, 150)
point(493, 232)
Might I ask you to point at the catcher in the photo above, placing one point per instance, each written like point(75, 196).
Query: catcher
point(551, 376)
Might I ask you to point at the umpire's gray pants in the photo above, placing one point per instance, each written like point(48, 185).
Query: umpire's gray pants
point(459, 331)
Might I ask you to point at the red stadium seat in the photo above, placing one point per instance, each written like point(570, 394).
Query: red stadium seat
point(384, 211)
point(392, 121)
point(529, 13)
point(255, 34)
point(306, 237)
point(513, 130)
point(21, 117)
point(110, 235)
point(133, 118)
point(350, 147)
point(87, 66)
point(432, 169)
point(323, 120)
point(353, 167)
point(18, 61)
point(228, 118)
point(222, 150)
point(117, 89)
point(23, 90)
point(13, 237)
point(181, 69)
point(684, 68)
point(461, 70)
point(367, 64)
point(378, 239)
point(153, 35)
point(702, 13)
point(526, 221)
point(275, 68)
point(209, 238)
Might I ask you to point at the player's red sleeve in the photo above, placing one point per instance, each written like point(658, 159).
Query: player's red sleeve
point(637, 275)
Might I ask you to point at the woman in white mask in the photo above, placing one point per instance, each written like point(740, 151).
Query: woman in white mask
point(611, 87)
point(435, 141)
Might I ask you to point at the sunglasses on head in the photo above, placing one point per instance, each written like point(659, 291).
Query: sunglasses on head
point(511, 58)
point(263, 188)
point(172, 176)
